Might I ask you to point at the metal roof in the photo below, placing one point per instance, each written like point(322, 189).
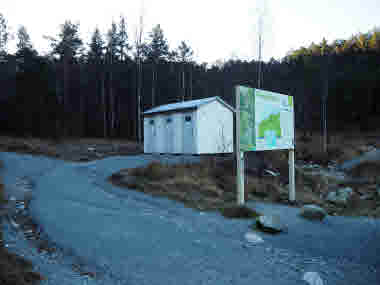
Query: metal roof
point(186, 105)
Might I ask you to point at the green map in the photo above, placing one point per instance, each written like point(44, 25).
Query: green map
point(247, 118)
point(272, 123)
point(266, 120)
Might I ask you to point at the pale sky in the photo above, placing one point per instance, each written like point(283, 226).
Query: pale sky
point(215, 29)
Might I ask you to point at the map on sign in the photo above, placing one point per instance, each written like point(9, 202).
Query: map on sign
point(266, 120)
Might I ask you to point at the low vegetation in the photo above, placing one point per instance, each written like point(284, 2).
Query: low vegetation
point(70, 149)
point(211, 183)
point(14, 269)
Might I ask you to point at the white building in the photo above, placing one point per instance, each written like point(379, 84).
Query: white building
point(191, 127)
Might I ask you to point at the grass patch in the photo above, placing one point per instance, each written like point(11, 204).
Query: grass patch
point(208, 186)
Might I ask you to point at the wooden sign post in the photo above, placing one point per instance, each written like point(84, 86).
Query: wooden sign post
point(239, 155)
point(254, 132)
point(292, 187)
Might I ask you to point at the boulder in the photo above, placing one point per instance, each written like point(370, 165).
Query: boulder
point(253, 238)
point(312, 278)
point(340, 196)
point(271, 224)
point(313, 212)
point(372, 156)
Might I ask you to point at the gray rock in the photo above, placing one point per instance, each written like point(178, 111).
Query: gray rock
point(366, 197)
point(372, 156)
point(253, 238)
point(340, 196)
point(313, 212)
point(270, 224)
point(312, 278)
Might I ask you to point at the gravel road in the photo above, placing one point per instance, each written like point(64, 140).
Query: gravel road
point(131, 238)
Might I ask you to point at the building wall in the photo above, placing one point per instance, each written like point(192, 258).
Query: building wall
point(189, 132)
point(178, 132)
point(215, 128)
point(147, 135)
point(159, 137)
point(210, 131)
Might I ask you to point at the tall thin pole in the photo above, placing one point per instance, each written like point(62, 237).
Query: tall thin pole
point(239, 154)
point(259, 81)
point(260, 72)
point(183, 82)
point(139, 71)
point(139, 34)
point(324, 103)
point(292, 188)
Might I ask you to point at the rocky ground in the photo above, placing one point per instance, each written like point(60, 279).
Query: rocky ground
point(14, 269)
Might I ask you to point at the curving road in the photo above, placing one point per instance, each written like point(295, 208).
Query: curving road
point(140, 240)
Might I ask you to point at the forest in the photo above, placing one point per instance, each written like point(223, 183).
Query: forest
point(95, 89)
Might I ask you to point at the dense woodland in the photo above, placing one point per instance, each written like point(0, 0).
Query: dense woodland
point(94, 89)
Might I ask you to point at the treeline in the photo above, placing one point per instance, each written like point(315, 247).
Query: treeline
point(95, 89)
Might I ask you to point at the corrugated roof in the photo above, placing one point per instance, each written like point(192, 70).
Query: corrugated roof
point(185, 105)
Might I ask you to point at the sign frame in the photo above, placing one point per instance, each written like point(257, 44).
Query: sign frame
point(240, 161)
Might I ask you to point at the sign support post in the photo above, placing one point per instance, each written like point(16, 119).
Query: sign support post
point(239, 154)
point(292, 187)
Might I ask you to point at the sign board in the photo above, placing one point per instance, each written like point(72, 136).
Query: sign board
point(266, 120)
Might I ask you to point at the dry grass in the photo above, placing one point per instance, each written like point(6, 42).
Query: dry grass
point(370, 170)
point(205, 185)
point(70, 149)
point(211, 185)
point(14, 269)
point(342, 146)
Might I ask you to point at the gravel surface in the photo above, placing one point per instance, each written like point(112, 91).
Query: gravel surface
point(127, 237)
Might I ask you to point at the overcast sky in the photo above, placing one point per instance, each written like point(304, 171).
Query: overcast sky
point(215, 29)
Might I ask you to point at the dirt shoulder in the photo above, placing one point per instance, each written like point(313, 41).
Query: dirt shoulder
point(70, 149)
point(13, 269)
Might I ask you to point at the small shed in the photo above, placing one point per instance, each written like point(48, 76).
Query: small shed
point(201, 126)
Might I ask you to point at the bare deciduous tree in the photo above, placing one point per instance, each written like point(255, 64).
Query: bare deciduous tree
point(138, 45)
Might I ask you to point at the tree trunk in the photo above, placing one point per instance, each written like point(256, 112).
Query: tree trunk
point(82, 105)
point(139, 77)
point(191, 82)
point(104, 104)
point(112, 101)
point(65, 92)
point(153, 84)
point(183, 83)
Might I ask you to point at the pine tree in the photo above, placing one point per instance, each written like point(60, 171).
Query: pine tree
point(158, 48)
point(112, 42)
point(68, 41)
point(122, 44)
point(23, 37)
point(184, 53)
point(96, 51)
point(374, 42)
point(4, 34)
point(155, 51)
